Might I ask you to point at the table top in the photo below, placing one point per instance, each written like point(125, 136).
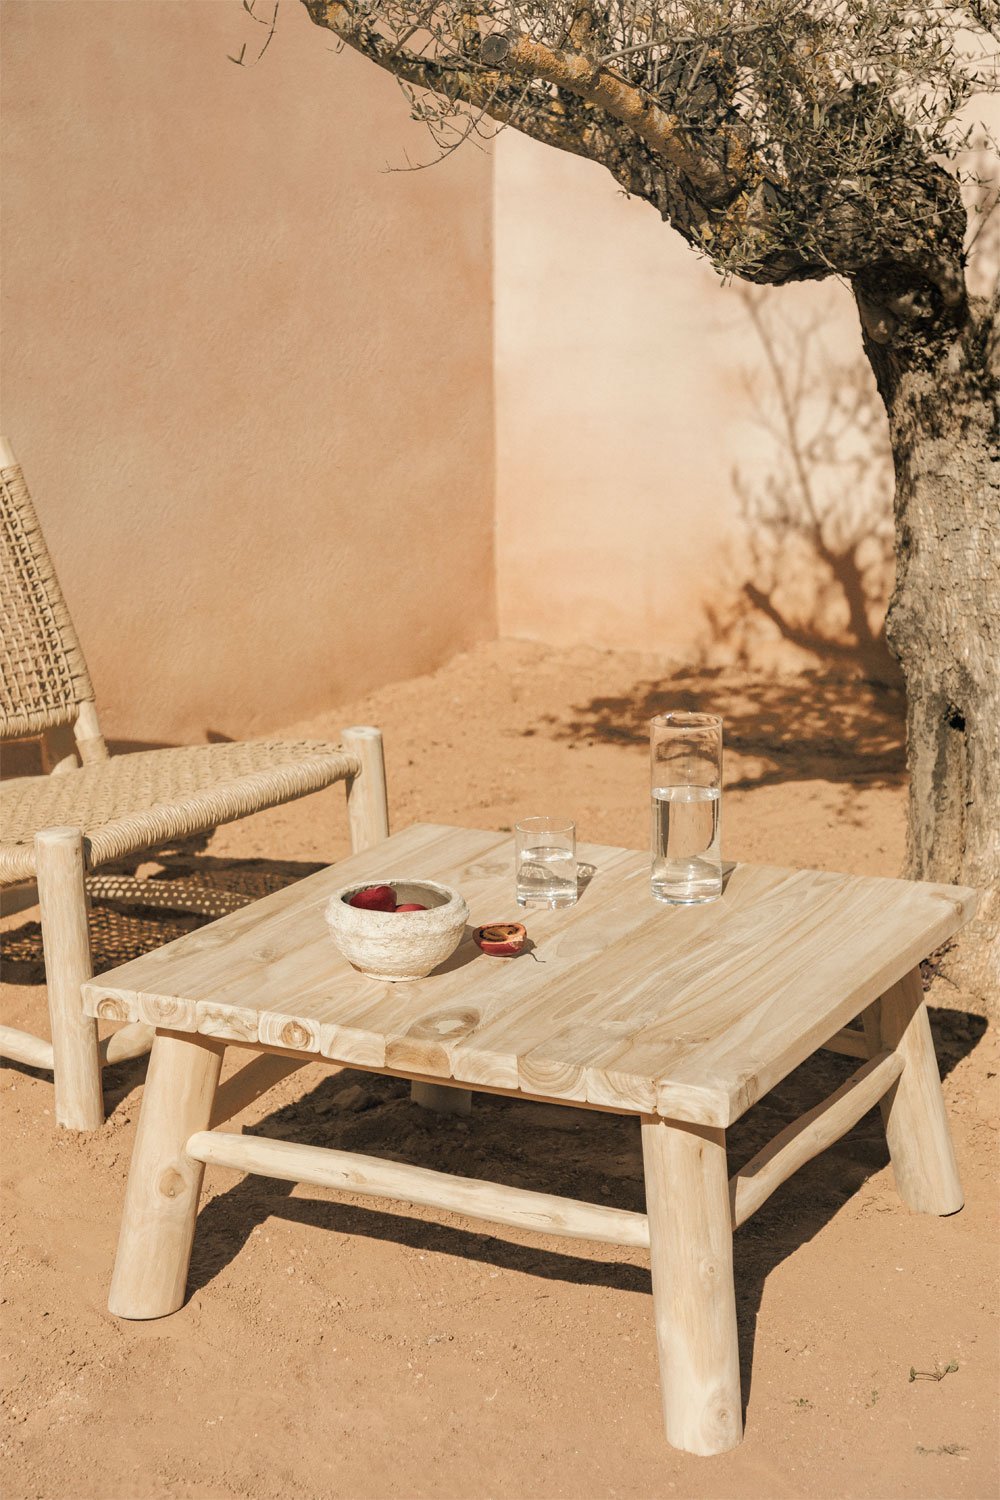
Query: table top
point(625, 1003)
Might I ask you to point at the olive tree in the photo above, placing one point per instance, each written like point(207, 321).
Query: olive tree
point(791, 140)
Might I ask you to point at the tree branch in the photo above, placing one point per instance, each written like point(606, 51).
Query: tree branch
point(660, 131)
point(483, 88)
point(756, 142)
point(572, 72)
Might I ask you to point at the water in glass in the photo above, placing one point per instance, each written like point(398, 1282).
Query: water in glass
point(687, 853)
point(546, 876)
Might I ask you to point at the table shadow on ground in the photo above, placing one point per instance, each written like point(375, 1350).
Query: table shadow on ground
point(575, 1153)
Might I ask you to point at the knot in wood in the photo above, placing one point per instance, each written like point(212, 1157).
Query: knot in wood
point(162, 1012)
point(112, 1009)
point(709, 1269)
point(447, 1023)
point(171, 1184)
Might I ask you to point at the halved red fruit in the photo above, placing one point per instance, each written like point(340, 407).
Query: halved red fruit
point(411, 906)
point(501, 939)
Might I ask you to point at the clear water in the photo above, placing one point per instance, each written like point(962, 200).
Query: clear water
point(546, 876)
point(687, 852)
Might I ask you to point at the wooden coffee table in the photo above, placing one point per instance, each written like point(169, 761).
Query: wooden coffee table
point(683, 1016)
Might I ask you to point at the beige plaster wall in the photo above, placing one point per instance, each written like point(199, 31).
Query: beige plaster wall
point(623, 377)
point(247, 371)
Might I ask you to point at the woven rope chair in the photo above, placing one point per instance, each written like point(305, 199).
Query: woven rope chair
point(58, 829)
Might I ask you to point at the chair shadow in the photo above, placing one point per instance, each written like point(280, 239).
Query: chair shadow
point(579, 1154)
point(123, 930)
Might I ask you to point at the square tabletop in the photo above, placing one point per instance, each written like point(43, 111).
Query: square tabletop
point(624, 1003)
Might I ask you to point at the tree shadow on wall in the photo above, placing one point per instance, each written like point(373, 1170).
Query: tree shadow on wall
point(811, 582)
point(817, 563)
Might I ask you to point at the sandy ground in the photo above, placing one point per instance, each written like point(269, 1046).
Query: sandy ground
point(335, 1349)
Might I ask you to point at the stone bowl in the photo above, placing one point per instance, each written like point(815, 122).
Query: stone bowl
point(398, 944)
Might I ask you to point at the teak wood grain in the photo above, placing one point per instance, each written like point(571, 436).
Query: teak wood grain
point(686, 1012)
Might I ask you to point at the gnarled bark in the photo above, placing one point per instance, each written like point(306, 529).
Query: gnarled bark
point(940, 390)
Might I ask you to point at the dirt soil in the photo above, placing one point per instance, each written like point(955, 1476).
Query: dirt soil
point(330, 1347)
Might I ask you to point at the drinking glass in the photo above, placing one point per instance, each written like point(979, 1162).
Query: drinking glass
point(545, 862)
point(686, 766)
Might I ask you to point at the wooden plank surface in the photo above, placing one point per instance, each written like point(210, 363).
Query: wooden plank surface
point(689, 1012)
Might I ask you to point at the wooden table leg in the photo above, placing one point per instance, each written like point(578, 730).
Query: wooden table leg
point(694, 1302)
point(916, 1122)
point(164, 1184)
point(442, 1098)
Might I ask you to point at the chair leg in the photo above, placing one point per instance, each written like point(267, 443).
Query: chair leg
point(367, 804)
point(63, 902)
point(694, 1300)
point(164, 1183)
point(916, 1122)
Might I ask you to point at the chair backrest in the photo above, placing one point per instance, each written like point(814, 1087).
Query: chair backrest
point(44, 682)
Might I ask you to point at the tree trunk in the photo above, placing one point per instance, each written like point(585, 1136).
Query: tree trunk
point(944, 617)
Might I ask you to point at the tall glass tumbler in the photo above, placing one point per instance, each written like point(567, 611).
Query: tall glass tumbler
point(686, 782)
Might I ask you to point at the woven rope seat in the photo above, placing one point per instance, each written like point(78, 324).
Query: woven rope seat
point(139, 801)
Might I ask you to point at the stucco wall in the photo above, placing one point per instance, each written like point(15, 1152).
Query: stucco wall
point(247, 371)
point(624, 372)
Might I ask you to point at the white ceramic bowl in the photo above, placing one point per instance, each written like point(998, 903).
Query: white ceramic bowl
point(398, 944)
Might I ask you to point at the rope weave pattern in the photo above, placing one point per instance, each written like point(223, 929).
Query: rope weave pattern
point(43, 676)
point(154, 797)
point(189, 894)
point(146, 913)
